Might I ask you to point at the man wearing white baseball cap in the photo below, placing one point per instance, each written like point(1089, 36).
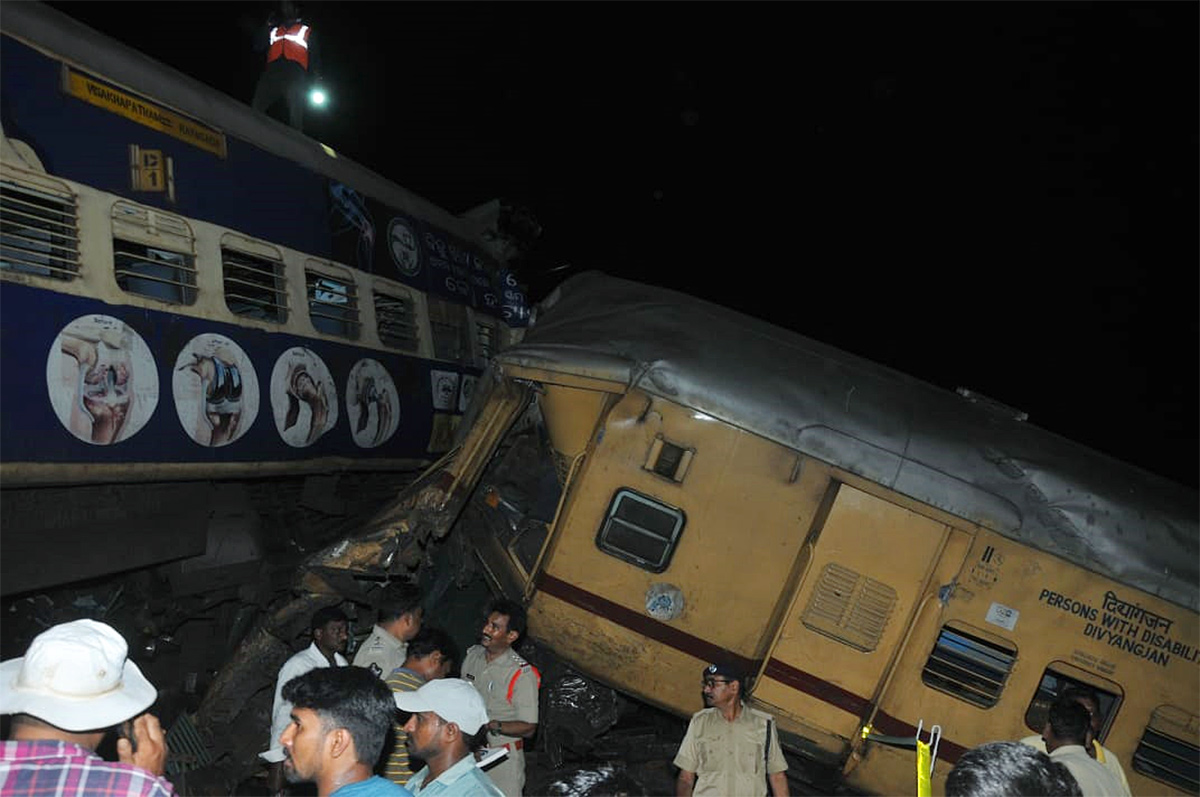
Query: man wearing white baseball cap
point(444, 730)
point(72, 687)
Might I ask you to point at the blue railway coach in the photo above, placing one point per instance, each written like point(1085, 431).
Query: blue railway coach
point(194, 295)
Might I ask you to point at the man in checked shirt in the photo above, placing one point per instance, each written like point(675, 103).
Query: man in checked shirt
point(73, 687)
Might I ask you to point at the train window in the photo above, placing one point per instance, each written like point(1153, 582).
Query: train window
point(973, 666)
point(448, 323)
point(332, 302)
point(640, 530)
point(39, 229)
point(396, 320)
point(485, 339)
point(1060, 677)
point(668, 459)
point(1168, 749)
point(849, 607)
point(153, 253)
point(157, 273)
point(255, 282)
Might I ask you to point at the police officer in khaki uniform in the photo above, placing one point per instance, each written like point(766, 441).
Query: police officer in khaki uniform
point(400, 616)
point(509, 686)
point(729, 748)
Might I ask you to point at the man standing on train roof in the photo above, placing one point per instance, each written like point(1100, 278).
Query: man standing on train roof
point(330, 633)
point(291, 63)
point(73, 686)
point(1067, 734)
point(400, 617)
point(509, 687)
point(1086, 697)
point(729, 748)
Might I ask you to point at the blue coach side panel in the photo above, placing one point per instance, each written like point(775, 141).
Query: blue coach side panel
point(248, 190)
point(88, 380)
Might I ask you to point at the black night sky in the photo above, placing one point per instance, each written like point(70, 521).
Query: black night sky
point(1002, 196)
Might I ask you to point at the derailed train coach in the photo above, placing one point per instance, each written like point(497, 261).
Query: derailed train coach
point(675, 483)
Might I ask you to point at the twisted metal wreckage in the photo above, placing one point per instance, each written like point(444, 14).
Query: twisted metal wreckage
point(394, 544)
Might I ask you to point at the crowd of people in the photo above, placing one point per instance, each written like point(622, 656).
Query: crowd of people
point(448, 724)
point(332, 719)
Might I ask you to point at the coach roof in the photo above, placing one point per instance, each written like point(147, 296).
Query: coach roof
point(970, 459)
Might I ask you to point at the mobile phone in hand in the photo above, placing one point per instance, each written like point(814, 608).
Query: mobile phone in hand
point(126, 732)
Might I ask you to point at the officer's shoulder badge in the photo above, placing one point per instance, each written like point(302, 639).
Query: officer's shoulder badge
point(759, 715)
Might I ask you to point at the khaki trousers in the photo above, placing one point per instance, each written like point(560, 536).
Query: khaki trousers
point(509, 774)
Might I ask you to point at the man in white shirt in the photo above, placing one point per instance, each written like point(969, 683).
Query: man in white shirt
point(1087, 698)
point(330, 633)
point(1067, 734)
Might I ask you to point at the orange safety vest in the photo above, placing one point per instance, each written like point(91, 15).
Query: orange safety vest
point(290, 43)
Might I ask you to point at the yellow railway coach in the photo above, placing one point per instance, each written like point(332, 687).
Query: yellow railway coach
point(674, 482)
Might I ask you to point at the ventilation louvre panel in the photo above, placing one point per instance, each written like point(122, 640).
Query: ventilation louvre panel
point(849, 607)
point(39, 230)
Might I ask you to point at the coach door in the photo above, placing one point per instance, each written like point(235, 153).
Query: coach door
point(870, 561)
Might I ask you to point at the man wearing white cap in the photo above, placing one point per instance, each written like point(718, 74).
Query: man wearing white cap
point(443, 729)
point(69, 690)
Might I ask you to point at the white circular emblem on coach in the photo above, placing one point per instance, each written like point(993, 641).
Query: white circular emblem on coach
point(215, 388)
point(102, 379)
point(664, 601)
point(404, 247)
point(303, 397)
point(444, 387)
point(372, 404)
